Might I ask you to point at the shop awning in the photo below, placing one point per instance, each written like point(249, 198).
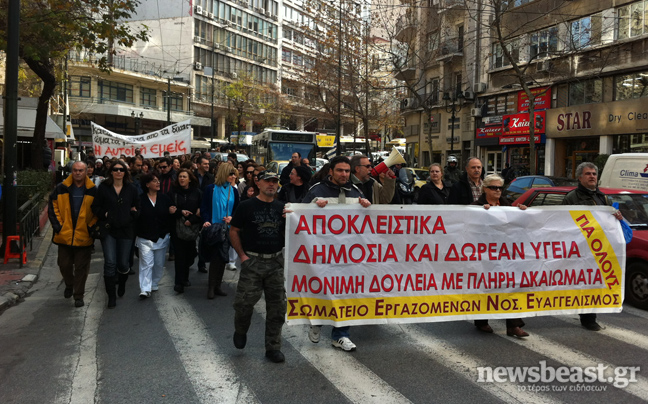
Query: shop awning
point(26, 122)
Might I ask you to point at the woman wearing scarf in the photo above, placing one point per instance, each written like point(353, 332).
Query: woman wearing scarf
point(218, 204)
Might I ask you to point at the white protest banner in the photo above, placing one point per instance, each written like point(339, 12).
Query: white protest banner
point(348, 265)
point(175, 138)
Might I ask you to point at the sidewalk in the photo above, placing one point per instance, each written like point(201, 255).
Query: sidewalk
point(15, 282)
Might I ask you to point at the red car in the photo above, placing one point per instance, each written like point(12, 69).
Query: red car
point(634, 207)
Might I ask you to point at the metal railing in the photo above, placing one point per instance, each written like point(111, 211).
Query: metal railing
point(29, 224)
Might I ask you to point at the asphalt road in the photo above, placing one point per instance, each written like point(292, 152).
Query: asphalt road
point(178, 349)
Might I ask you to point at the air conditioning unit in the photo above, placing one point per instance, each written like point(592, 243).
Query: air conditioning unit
point(211, 16)
point(469, 95)
point(479, 88)
point(408, 102)
point(228, 23)
point(262, 10)
point(205, 12)
point(198, 39)
point(216, 46)
point(198, 66)
point(234, 75)
point(543, 66)
point(198, 10)
point(274, 17)
point(476, 112)
point(228, 49)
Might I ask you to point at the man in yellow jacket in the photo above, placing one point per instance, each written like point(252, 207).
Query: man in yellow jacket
point(71, 216)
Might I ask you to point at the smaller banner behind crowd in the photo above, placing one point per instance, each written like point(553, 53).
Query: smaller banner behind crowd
point(175, 139)
point(348, 265)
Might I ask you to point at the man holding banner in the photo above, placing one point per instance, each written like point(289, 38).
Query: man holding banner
point(336, 189)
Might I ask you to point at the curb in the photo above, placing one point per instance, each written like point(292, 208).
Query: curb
point(35, 266)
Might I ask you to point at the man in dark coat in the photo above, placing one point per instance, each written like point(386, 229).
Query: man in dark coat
point(468, 189)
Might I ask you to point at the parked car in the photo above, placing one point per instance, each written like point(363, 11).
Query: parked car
point(633, 204)
point(277, 166)
point(521, 184)
point(241, 158)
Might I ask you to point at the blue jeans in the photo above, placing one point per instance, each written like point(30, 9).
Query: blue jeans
point(339, 332)
point(116, 254)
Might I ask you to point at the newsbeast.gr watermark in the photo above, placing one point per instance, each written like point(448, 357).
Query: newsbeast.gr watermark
point(580, 378)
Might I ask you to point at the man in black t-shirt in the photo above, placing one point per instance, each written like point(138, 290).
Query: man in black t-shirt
point(257, 234)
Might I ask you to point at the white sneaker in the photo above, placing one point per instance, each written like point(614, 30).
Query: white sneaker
point(345, 344)
point(314, 333)
point(230, 266)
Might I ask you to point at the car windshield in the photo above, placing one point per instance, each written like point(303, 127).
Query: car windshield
point(633, 207)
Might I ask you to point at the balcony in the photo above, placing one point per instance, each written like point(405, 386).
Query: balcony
point(405, 28)
point(450, 48)
point(449, 5)
point(404, 69)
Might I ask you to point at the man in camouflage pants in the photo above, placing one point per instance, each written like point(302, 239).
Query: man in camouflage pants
point(257, 235)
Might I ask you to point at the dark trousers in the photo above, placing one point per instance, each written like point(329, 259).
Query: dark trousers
point(74, 263)
point(510, 322)
point(185, 254)
point(587, 318)
point(261, 276)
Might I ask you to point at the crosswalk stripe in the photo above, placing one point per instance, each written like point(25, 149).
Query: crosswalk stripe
point(213, 377)
point(351, 378)
point(85, 370)
point(459, 362)
point(569, 356)
point(635, 311)
point(621, 334)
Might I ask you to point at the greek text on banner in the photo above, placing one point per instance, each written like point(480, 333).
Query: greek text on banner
point(348, 265)
point(175, 139)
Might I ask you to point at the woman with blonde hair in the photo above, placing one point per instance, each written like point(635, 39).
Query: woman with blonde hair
point(218, 203)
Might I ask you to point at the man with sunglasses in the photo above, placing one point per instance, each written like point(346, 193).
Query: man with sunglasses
point(167, 175)
point(377, 192)
point(257, 234)
point(468, 189)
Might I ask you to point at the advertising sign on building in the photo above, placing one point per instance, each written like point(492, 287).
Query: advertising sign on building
point(542, 99)
point(518, 124)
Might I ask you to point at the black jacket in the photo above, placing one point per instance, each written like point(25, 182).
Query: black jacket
point(185, 199)
point(284, 178)
point(460, 193)
point(153, 222)
point(292, 193)
point(584, 196)
point(331, 192)
point(116, 209)
point(431, 195)
point(208, 179)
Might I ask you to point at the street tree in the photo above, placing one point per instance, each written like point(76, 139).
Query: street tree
point(248, 98)
point(50, 29)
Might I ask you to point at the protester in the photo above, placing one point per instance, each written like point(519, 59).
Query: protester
point(218, 203)
point(452, 172)
point(152, 234)
point(295, 161)
point(436, 191)
point(587, 193)
point(468, 189)
point(185, 210)
point(257, 235)
point(71, 216)
point(336, 189)
point(205, 179)
point(381, 191)
point(248, 178)
point(295, 190)
point(117, 207)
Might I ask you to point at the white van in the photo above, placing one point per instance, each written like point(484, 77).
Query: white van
point(626, 171)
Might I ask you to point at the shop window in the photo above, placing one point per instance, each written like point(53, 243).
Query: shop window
point(630, 86)
point(80, 86)
point(586, 92)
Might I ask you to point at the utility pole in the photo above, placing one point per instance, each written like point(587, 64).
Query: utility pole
point(213, 65)
point(168, 100)
point(10, 157)
point(338, 129)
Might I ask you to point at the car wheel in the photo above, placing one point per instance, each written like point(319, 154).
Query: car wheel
point(637, 285)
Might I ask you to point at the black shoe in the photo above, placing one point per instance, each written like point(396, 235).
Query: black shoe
point(67, 293)
point(275, 356)
point(78, 303)
point(131, 272)
point(594, 326)
point(187, 283)
point(240, 340)
point(112, 302)
point(202, 270)
point(219, 292)
point(179, 288)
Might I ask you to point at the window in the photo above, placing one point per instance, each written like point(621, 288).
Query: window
point(176, 102)
point(286, 56)
point(433, 41)
point(148, 97)
point(110, 90)
point(586, 92)
point(629, 86)
point(543, 43)
point(632, 20)
point(287, 34)
point(80, 86)
point(460, 38)
point(502, 104)
point(499, 60)
point(587, 31)
point(433, 92)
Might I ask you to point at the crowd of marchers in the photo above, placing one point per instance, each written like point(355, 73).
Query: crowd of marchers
point(224, 212)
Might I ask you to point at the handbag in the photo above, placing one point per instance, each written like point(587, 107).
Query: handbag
point(184, 232)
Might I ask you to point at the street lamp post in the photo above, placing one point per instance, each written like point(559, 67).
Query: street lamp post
point(138, 121)
point(453, 104)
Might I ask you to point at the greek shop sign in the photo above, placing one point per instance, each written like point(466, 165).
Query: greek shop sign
point(610, 118)
point(348, 265)
point(175, 139)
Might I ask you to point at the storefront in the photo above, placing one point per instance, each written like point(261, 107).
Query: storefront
point(506, 138)
point(583, 132)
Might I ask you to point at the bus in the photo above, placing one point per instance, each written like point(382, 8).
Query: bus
point(348, 145)
point(279, 145)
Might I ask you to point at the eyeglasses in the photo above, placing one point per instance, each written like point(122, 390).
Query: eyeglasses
point(233, 173)
point(495, 188)
point(119, 169)
point(250, 172)
point(367, 166)
point(163, 167)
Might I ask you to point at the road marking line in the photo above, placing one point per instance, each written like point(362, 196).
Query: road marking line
point(86, 371)
point(635, 311)
point(570, 357)
point(213, 377)
point(350, 377)
point(464, 365)
point(621, 334)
